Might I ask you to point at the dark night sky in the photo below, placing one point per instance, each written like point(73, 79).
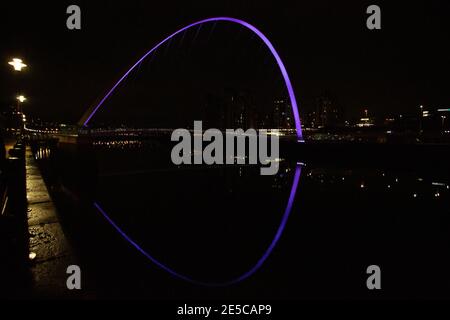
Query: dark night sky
point(324, 44)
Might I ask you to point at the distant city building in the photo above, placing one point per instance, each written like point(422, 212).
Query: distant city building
point(366, 120)
point(12, 119)
point(282, 116)
point(309, 119)
point(328, 113)
point(231, 109)
point(437, 121)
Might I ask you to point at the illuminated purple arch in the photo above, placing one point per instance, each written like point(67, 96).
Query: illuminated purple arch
point(90, 113)
point(85, 120)
point(241, 277)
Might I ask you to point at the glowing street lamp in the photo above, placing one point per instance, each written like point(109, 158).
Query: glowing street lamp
point(21, 98)
point(17, 64)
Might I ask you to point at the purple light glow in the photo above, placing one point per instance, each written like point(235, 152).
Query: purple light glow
point(240, 278)
point(242, 23)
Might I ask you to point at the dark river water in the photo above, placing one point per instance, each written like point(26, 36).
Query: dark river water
point(309, 231)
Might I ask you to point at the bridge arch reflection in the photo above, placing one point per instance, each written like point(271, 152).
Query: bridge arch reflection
point(241, 277)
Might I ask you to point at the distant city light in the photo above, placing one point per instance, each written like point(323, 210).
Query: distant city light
point(275, 133)
point(365, 122)
point(17, 64)
point(444, 110)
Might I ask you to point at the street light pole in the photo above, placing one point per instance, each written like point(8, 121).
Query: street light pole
point(18, 65)
point(443, 121)
point(20, 99)
point(420, 120)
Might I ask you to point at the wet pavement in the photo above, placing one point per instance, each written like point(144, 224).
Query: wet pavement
point(47, 242)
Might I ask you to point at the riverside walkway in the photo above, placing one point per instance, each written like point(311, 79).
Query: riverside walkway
point(50, 252)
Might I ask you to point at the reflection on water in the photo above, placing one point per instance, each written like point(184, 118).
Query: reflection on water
point(43, 153)
point(214, 222)
point(118, 144)
point(401, 184)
